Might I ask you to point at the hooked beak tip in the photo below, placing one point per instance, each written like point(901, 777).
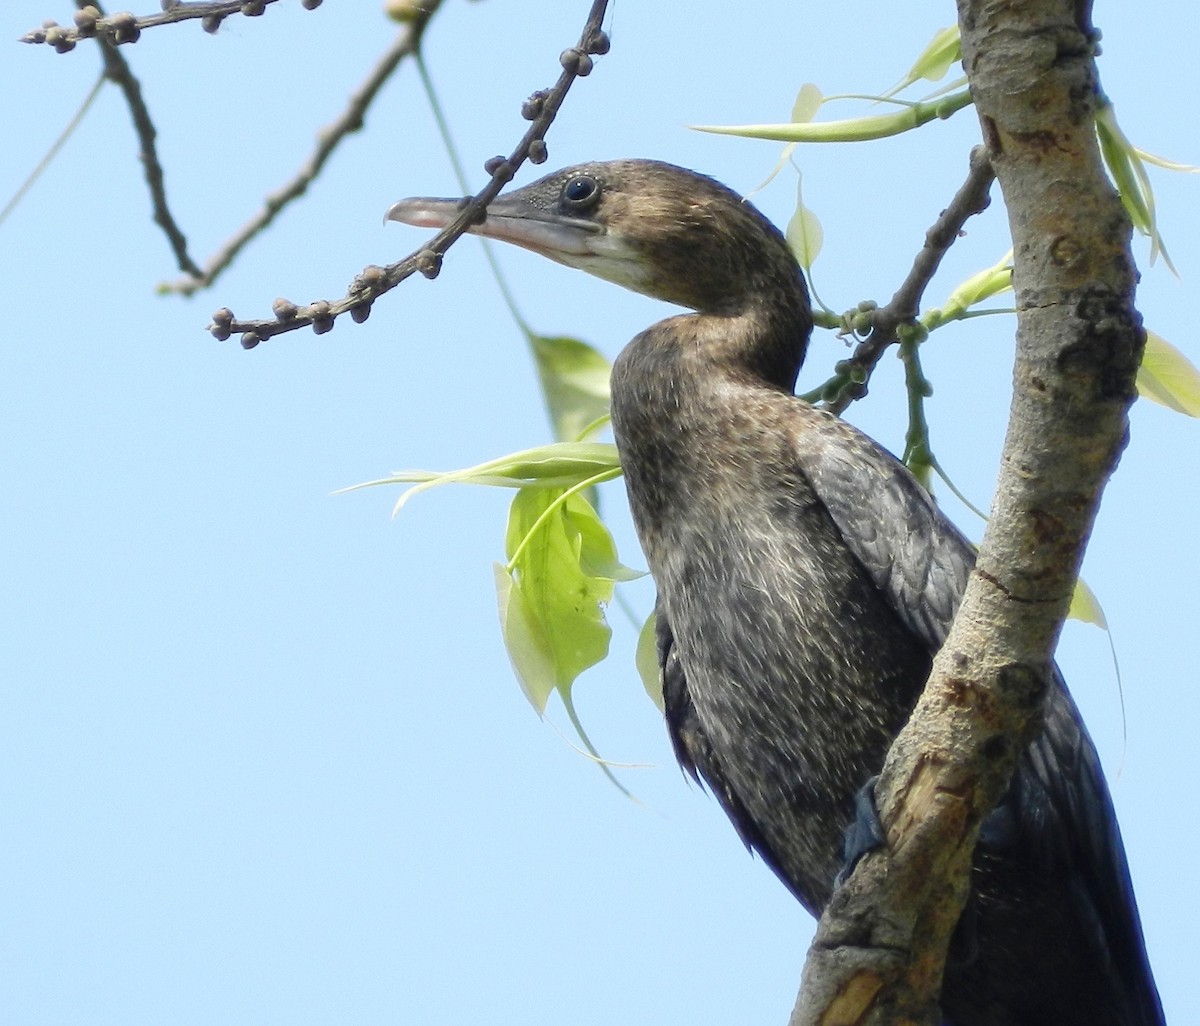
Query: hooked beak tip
point(422, 213)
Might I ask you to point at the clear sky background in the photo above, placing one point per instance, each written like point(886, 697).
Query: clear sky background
point(262, 758)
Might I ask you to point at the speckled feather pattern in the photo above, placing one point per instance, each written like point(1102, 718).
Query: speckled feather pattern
point(805, 581)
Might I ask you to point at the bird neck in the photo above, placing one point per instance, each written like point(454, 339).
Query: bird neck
point(763, 343)
point(679, 376)
point(757, 335)
point(689, 394)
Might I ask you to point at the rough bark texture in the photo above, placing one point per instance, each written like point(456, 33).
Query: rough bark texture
point(880, 947)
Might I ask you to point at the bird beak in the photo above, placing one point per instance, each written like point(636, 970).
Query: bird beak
point(510, 219)
point(525, 218)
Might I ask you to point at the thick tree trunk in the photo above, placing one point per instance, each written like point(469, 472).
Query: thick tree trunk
point(880, 948)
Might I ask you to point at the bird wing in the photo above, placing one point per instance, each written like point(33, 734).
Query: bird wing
point(1058, 801)
point(695, 753)
point(1066, 821)
point(917, 559)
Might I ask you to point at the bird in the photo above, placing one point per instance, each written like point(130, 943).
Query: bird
point(805, 582)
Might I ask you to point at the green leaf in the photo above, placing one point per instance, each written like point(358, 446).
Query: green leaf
point(804, 232)
point(808, 102)
point(1133, 183)
point(526, 644)
point(558, 465)
point(1086, 607)
point(552, 606)
point(1168, 377)
point(1165, 164)
point(597, 550)
point(980, 286)
point(878, 126)
point(646, 658)
point(574, 380)
point(943, 50)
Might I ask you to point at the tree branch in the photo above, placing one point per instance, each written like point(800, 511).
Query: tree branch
point(406, 43)
point(372, 282)
point(883, 323)
point(118, 71)
point(880, 949)
point(117, 29)
point(110, 31)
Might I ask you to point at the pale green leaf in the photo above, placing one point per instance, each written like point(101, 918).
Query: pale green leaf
point(574, 380)
point(563, 604)
point(597, 550)
point(1131, 179)
point(646, 658)
point(982, 285)
point(1168, 377)
point(808, 102)
point(804, 232)
point(558, 465)
point(1086, 607)
point(1165, 164)
point(525, 641)
point(943, 50)
point(878, 126)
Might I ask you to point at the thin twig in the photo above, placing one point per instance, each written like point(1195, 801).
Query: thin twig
point(918, 455)
point(117, 71)
point(884, 323)
point(91, 22)
point(443, 124)
point(351, 120)
point(374, 281)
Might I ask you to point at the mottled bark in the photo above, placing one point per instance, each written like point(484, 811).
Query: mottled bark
point(881, 945)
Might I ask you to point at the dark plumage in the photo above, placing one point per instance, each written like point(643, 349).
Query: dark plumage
point(805, 582)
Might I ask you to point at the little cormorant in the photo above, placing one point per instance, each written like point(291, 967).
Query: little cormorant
point(805, 582)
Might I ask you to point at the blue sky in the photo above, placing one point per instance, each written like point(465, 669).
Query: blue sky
point(262, 758)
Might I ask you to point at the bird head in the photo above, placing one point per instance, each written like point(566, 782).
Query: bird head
point(652, 227)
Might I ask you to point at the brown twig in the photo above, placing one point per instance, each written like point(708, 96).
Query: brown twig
point(115, 29)
point(117, 71)
point(884, 324)
point(374, 281)
point(351, 120)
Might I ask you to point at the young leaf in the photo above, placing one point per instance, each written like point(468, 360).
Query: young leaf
point(1133, 183)
point(553, 609)
point(804, 233)
point(526, 644)
point(1168, 377)
point(597, 551)
point(877, 126)
point(934, 61)
point(646, 658)
point(808, 102)
point(574, 380)
point(558, 465)
point(1165, 164)
point(980, 286)
point(1086, 607)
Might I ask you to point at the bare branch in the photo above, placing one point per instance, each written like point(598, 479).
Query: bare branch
point(110, 31)
point(407, 42)
point(540, 109)
point(115, 29)
point(117, 71)
point(884, 323)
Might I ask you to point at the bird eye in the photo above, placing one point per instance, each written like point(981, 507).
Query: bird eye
point(581, 193)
